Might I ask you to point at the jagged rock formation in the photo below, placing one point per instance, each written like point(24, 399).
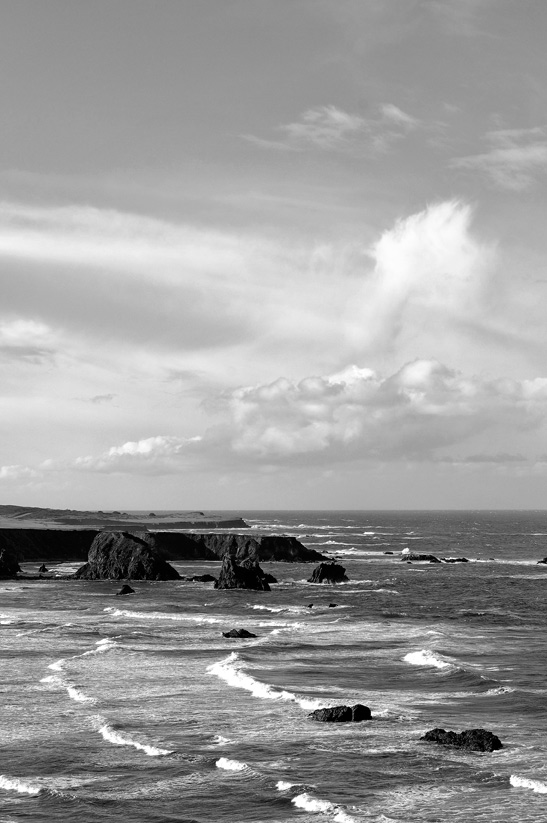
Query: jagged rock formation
point(234, 576)
point(241, 546)
point(121, 555)
point(238, 633)
point(43, 569)
point(411, 557)
point(540, 562)
point(8, 563)
point(125, 590)
point(328, 573)
point(342, 714)
point(474, 740)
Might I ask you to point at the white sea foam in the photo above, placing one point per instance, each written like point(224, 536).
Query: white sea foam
point(284, 785)
point(312, 804)
point(231, 765)
point(73, 691)
point(526, 783)
point(426, 658)
point(57, 666)
point(112, 736)
point(220, 740)
point(231, 671)
point(160, 616)
point(13, 784)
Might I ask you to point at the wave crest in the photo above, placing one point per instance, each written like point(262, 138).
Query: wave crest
point(425, 657)
point(526, 783)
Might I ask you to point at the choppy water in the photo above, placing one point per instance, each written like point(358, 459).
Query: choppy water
point(137, 708)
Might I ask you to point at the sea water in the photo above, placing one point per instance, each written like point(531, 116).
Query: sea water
point(137, 708)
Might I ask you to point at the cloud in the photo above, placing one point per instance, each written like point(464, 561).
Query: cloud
point(17, 474)
point(415, 414)
point(102, 398)
point(514, 159)
point(330, 129)
point(26, 340)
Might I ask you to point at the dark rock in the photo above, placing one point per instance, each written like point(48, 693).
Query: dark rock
point(121, 555)
point(125, 590)
point(333, 605)
point(8, 563)
point(475, 740)
point(250, 563)
point(328, 573)
point(388, 552)
point(342, 714)
point(455, 559)
point(241, 546)
point(202, 578)
point(409, 557)
point(43, 569)
point(542, 561)
point(234, 576)
point(238, 633)
point(310, 605)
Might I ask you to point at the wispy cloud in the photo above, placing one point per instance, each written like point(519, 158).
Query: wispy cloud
point(514, 158)
point(330, 129)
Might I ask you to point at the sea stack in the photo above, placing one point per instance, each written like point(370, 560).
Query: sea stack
point(248, 575)
point(124, 556)
point(328, 573)
point(8, 563)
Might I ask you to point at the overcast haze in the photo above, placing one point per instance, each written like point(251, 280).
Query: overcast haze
point(273, 253)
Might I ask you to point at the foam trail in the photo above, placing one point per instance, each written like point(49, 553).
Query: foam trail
point(230, 670)
point(73, 692)
point(159, 616)
point(112, 736)
point(13, 784)
point(57, 666)
point(526, 783)
point(231, 765)
point(426, 658)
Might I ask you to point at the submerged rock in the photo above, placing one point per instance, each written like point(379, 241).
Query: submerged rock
point(544, 561)
point(333, 605)
point(125, 590)
point(238, 633)
point(455, 560)
point(124, 556)
point(342, 714)
point(8, 563)
point(474, 740)
point(202, 578)
point(248, 575)
point(328, 573)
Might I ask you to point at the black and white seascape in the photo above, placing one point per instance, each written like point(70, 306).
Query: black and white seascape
point(273, 268)
point(138, 708)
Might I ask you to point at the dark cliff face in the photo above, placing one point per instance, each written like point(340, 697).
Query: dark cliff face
point(74, 545)
point(125, 556)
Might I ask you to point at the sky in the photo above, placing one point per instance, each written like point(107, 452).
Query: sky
point(273, 254)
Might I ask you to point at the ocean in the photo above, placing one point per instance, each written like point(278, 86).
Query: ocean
point(137, 708)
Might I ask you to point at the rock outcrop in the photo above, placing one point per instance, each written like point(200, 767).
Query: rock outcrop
point(474, 740)
point(241, 633)
point(544, 561)
point(414, 557)
point(8, 563)
point(202, 578)
point(328, 573)
point(244, 576)
point(121, 555)
point(125, 590)
point(260, 548)
point(342, 714)
point(454, 559)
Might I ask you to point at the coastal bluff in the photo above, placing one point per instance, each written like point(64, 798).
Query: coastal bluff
point(63, 537)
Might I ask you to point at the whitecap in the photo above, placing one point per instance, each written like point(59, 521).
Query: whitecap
point(159, 616)
point(526, 783)
point(316, 804)
point(231, 765)
point(108, 733)
point(230, 670)
point(13, 784)
point(73, 691)
point(284, 785)
point(425, 657)
point(220, 740)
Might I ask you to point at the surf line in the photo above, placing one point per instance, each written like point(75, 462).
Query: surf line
point(231, 671)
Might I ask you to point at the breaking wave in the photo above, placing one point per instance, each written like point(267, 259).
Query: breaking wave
point(112, 736)
point(231, 671)
point(426, 658)
point(231, 765)
point(73, 691)
point(526, 783)
point(13, 784)
point(159, 616)
point(315, 804)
